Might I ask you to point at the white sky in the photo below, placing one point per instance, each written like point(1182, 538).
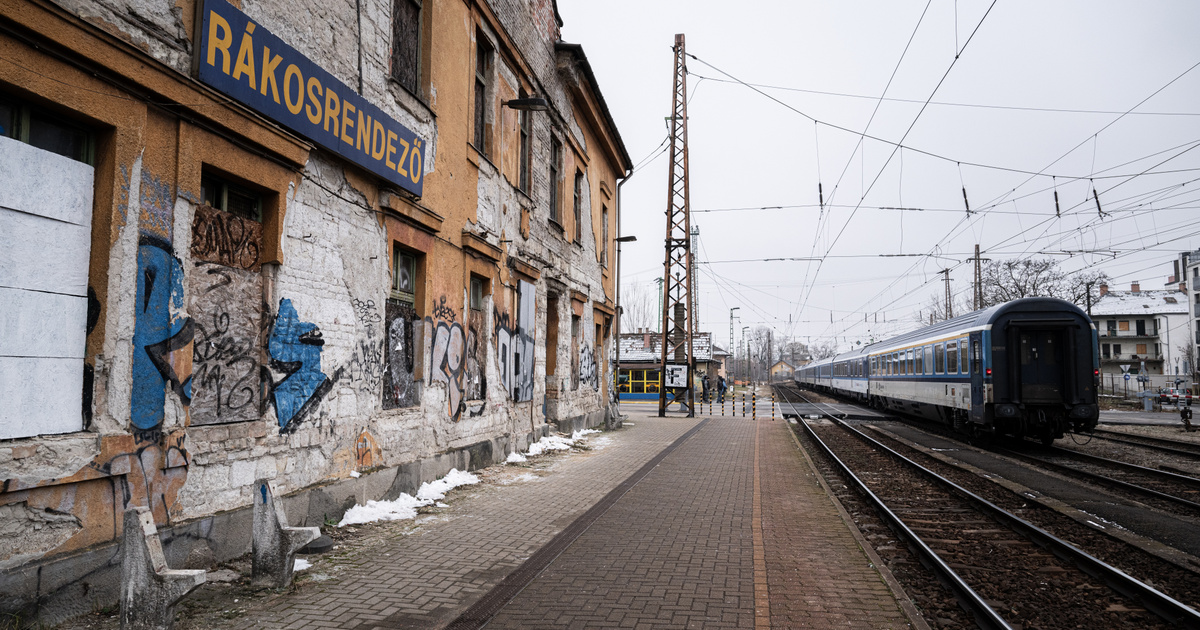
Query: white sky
point(749, 151)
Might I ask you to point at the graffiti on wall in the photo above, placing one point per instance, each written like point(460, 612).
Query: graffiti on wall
point(588, 372)
point(295, 350)
point(399, 388)
point(162, 337)
point(226, 361)
point(475, 379)
point(143, 468)
point(225, 238)
point(447, 358)
point(367, 315)
point(514, 345)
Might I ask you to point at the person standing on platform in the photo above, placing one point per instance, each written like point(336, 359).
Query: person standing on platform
point(721, 389)
point(704, 390)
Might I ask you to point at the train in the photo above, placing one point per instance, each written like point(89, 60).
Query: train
point(1025, 368)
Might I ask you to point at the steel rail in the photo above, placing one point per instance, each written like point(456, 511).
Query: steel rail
point(1153, 472)
point(985, 616)
point(1161, 444)
point(1100, 478)
point(1157, 602)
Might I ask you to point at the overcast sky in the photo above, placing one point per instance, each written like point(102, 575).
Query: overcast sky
point(988, 127)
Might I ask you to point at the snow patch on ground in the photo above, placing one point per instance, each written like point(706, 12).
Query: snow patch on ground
point(405, 506)
point(301, 564)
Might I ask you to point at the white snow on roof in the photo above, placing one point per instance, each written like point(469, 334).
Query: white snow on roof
point(635, 350)
point(1154, 302)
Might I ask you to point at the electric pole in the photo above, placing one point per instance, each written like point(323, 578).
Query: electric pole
point(977, 294)
point(677, 357)
point(949, 296)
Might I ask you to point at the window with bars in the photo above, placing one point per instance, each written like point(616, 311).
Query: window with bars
point(222, 194)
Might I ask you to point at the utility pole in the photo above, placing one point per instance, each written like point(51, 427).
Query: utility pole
point(677, 264)
point(977, 297)
point(730, 348)
point(949, 295)
point(695, 279)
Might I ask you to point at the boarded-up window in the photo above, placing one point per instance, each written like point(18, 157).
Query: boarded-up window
point(225, 301)
point(406, 43)
point(1124, 325)
point(1141, 348)
point(45, 240)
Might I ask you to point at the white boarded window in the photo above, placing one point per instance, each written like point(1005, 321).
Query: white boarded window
point(45, 239)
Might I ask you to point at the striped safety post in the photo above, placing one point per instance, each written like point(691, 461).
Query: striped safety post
point(743, 403)
point(754, 404)
point(722, 406)
point(772, 405)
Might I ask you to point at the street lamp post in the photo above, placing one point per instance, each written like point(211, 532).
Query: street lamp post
point(617, 369)
point(745, 354)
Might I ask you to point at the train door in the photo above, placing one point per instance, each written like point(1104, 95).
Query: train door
point(975, 365)
point(1041, 365)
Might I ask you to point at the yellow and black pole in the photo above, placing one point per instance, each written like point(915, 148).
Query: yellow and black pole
point(754, 404)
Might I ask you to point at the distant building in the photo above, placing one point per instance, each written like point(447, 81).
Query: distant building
point(640, 371)
point(1187, 274)
point(1141, 331)
point(782, 371)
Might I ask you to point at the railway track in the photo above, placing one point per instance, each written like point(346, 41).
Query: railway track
point(999, 566)
point(1189, 450)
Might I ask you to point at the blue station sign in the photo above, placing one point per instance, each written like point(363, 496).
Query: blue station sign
point(247, 63)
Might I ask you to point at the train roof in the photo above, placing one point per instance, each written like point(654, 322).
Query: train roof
point(975, 320)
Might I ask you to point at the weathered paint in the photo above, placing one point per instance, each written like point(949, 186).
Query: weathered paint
point(295, 349)
point(162, 338)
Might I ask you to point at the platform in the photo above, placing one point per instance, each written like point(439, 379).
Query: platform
point(722, 524)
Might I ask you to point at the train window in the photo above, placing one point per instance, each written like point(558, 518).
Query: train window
point(976, 358)
point(919, 366)
point(929, 359)
point(962, 356)
point(952, 357)
point(895, 364)
point(911, 363)
point(939, 359)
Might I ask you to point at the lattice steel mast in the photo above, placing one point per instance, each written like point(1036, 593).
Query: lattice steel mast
point(677, 267)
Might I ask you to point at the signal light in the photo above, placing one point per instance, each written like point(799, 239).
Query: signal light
point(989, 371)
point(1096, 372)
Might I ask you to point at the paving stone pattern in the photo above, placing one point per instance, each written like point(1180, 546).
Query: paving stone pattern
point(817, 574)
point(427, 578)
point(676, 551)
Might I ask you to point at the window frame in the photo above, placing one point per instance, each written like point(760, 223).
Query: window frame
point(525, 126)
point(399, 254)
point(577, 205)
point(556, 156)
point(20, 127)
point(484, 62)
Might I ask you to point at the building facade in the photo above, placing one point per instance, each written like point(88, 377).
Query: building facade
point(1187, 274)
point(290, 241)
point(1140, 332)
point(640, 370)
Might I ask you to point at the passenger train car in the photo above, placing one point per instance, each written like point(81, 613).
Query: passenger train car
point(1029, 367)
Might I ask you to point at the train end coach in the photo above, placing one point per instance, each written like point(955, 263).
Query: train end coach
point(1028, 367)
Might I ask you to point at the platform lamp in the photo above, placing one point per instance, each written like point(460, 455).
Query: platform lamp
point(619, 240)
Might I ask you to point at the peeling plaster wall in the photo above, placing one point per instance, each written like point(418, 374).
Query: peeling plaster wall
point(229, 351)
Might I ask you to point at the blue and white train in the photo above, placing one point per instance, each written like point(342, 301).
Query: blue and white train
point(1029, 367)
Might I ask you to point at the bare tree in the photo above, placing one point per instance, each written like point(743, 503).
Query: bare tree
point(936, 306)
point(1188, 352)
point(824, 349)
point(1012, 279)
point(639, 307)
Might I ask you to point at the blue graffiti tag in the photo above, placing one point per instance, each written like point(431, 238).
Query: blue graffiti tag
point(157, 333)
point(295, 349)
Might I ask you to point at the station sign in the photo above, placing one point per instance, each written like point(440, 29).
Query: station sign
point(246, 62)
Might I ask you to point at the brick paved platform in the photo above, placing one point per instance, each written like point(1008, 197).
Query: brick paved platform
point(731, 529)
